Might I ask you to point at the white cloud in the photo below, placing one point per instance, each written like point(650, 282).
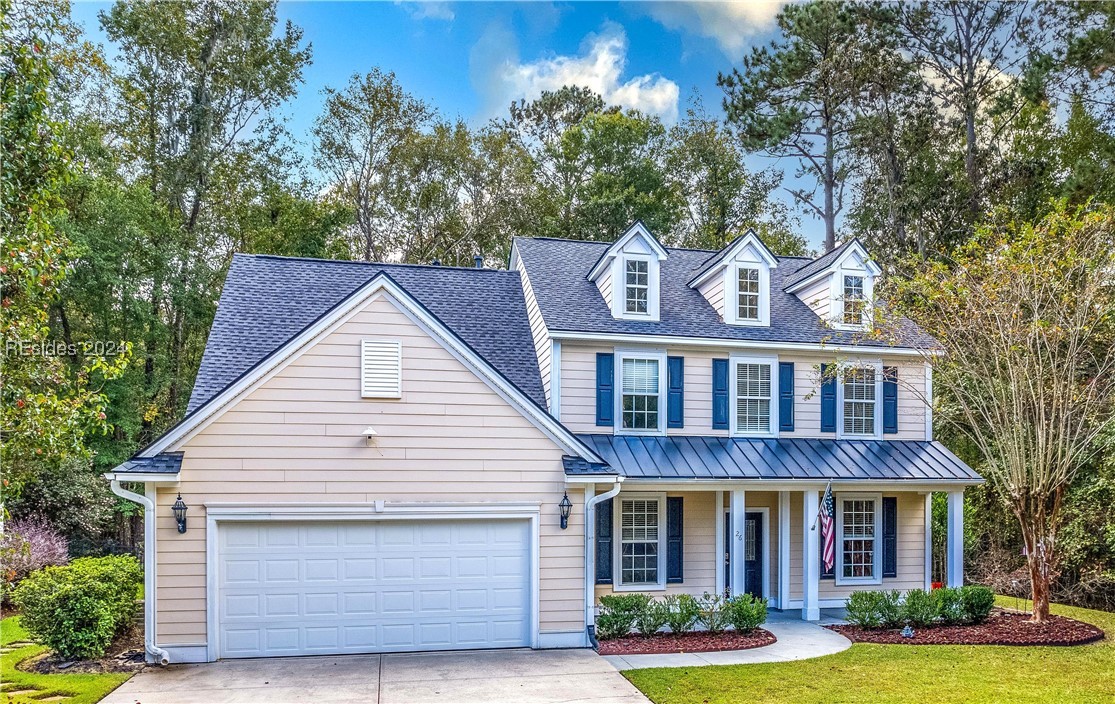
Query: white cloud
point(730, 24)
point(429, 10)
point(500, 77)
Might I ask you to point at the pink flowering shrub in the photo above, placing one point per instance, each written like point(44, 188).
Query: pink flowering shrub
point(27, 545)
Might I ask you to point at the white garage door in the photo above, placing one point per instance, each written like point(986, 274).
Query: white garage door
point(317, 588)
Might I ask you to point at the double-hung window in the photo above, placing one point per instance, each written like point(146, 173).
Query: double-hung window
point(641, 407)
point(858, 531)
point(748, 292)
point(755, 403)
point(860, 403)
point(637, 286)
point(854, 300)
point(640, 541)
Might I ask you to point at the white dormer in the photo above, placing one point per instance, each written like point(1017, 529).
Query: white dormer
point(736, 282)
point(842, 290)
point(628, 275)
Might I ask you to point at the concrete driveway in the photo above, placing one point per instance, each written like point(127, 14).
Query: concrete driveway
point(489, 677)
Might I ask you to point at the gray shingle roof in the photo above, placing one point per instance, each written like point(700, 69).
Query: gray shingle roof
point(268, 300)
point(819, 264)
point(570, 302)
point(693, 457)
point(163, 463)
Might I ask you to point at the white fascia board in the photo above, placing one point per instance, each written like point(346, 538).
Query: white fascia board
point(636, 230)
point(741, 243)
point(145, 478)
point(381, 284)
point(678, 340)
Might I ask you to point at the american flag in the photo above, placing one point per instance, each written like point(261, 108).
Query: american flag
point(828, 535)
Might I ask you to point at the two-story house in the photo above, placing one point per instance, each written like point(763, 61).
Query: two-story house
point(384, 458)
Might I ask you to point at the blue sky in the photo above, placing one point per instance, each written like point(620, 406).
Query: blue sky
point(470, 59)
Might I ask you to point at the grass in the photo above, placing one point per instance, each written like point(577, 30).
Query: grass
point(80, 688)
point(903, 673)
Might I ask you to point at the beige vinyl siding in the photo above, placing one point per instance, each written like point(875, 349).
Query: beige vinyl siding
point(298, 438)
point(713, 291)
point(818, 296)
point(542, 345)
point(578, 391)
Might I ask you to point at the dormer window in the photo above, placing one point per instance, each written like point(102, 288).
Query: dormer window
point(748, 299)
point(854, 300)
point(838, 286)
point(637, 286)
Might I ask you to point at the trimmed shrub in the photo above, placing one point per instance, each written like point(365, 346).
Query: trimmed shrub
point(746, 613)
point(76, 610)
point(890, 608)
point(713, 612)
point(919, 608)
point(977, 602)
point(683, 612)
point(950, 605)
point(651, 617)
point(863, 610)
point(618, 613)
point(27, 545)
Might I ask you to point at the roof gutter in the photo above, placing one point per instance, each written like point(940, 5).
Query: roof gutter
point(728, 343)
point(590, 553)
point(154, 652)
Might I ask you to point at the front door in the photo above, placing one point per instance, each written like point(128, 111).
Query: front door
point(752, 553)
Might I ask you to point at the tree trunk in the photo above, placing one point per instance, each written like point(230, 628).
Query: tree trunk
point(830, 187)
point(1039, 540)
point(1039, 586)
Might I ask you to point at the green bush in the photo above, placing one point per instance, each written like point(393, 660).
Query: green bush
point(978, 602)
point(950, 605)
point(863, 609)
point(683, 613)
point(890, 608)
point(713, 612)
point(919, 608)
point(77, 609)
point(618, 613)
point(651, 617)
point(745, 612)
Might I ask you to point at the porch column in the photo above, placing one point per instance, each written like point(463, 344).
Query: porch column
point(739, 530)
point(783, 550)
point(956, 539)
point(811, 564)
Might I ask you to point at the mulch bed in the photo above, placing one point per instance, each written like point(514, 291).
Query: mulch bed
point(1001, 628)
point(695, 642)
point(125, 654)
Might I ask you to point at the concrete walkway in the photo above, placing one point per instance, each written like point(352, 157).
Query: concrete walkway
point(797, 640)
point(480, 677)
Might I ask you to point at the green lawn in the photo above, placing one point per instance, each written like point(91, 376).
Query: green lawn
point(901, 673)
point(79, 689)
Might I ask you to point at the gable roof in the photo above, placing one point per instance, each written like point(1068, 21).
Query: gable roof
point(636, 230)
point(827, 260)
point(569, 302)
point(733, 248)
point(267, 300)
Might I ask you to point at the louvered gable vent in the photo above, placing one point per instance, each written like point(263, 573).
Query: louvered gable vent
point(381, 369)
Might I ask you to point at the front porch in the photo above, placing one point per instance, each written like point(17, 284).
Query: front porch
point(660, 539)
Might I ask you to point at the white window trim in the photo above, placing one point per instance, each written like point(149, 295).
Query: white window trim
point(731, 298)
point(617, 545)
point(619, 287)
point(733, 395)
point(877, 365)
point(663, 387)
point(836, 296)
point(877, 572)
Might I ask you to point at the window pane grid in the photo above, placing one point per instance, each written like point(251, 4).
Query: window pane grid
point(639, 541)
point(748, 294)
point(859, 401)
point(858, 538)
point(637, 286)
point(753, 392)
point(853, 300)
point(640, 394)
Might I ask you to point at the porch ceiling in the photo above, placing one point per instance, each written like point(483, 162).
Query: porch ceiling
point(696, 457)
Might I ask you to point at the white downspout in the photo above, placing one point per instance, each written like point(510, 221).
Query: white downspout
point(590, 551)
point(148, 502)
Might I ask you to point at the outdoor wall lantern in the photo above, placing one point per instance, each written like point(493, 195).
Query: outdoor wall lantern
point(565, 506)
point(179, 509)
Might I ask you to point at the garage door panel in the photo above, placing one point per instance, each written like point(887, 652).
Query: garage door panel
point(340, 587)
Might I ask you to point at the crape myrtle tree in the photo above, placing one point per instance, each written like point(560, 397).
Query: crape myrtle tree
point(1024, 368)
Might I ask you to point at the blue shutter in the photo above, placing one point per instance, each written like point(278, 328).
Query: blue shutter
point(605, 388)
point(604, 542)
point(675, 394)
point(720, 394)
point(890, 399)
point(890, 536)
point(673, 540)
point(786, 396)
point(828, 401)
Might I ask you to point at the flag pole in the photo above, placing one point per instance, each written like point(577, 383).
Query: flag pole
point(817, 516)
